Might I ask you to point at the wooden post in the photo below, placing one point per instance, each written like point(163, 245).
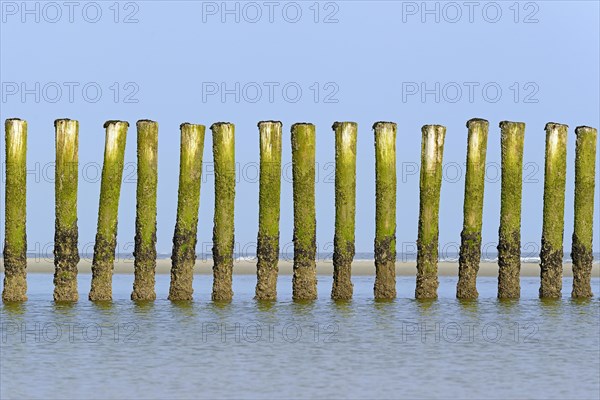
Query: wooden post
point(269, 209)
point(585, 174)
point(304, 282)
point(385, 210)
point(470, 246)
point(345, 208)
point(145, 216)
point(188, 201)
point(509, 243)
point(223, 230)
point(110, 191)
point(555, 176)
point(15, 242)
point(66, 254)
point(432, 151)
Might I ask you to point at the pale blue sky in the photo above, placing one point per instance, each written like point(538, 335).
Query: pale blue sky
point(371, 61)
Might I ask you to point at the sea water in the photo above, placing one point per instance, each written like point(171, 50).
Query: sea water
point(528, 348)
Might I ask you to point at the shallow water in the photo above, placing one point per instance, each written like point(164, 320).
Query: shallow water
point(246, 349)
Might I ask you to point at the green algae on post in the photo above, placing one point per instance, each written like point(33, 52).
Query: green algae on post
point(223, 230)
point(267, 250)
point(110, 191)
point(15, 242)
point(345, 208)
point(304, 282)
point(512, 136)
point(145, 217)
point(66, 254)
point(432, 152)
point(385, 210)
point(470, 246)
point(183, 256)
point(551, 255)
point(585, 172)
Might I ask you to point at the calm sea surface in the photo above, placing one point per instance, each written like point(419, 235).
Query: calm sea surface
point(247, 349)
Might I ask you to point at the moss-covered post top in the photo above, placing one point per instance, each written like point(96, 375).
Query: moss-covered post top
point(346, 137)
point(476, 126)
point(343, 124)
point(223, 141)
point(302, 128)
point(300, 124)
point(385, 133)
point(478, 121)
point(512, 140)
point(115, 133)
point(225, 129)
point(556, 137)
point(381, 125)
point(146, 124)
point(116, 123)
point(385, 145)
point(64, 123)
point(555, 125)
point(584, 129)
point(347, 134)
point(512, 125)
point(508, 124)
point(147, 133)
point(268, 130)
point(269, 122)
point(433, 140)
point(555, 130)
point(190, 134)
point(147, 127)
point(66, 138)
point(303, 147)
point(192, 142)
point(18, 131)
point(270, 146)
